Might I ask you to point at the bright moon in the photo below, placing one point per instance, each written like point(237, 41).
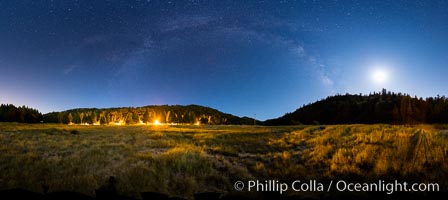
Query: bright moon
point(379, 75)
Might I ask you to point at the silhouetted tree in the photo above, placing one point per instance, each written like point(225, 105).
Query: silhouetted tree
point(22, 114)
point(146, 118)
point(384, 107)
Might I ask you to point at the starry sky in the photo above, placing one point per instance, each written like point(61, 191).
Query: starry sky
point(247, 58)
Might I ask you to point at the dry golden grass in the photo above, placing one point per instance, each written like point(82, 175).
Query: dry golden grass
point(182, 160)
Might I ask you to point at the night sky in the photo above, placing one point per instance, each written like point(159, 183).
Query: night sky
point(247, 58)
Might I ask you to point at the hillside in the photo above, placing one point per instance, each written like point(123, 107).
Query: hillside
point(163, 114)
point(385, 107)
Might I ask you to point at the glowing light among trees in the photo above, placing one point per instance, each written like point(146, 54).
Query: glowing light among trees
point(121, 122)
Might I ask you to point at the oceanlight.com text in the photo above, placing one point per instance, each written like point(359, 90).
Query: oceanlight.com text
point(331, 186)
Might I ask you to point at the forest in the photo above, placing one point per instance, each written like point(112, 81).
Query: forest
point(379, 107)
point(22, 114)
point(164, 114)
point(383, 107)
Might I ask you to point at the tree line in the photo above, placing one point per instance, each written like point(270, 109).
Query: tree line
point(22, 114)
point(165, 114)
point(383, 107)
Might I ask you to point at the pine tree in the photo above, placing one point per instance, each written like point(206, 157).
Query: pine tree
point(70, 118)
point(146, 118)
point(94, 118)
point(396, 114)
point(81, 116)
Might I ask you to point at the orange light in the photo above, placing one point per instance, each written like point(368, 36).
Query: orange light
point(156, 122)
point(119, 123)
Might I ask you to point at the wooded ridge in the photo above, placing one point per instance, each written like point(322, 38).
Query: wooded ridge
point(383, 107)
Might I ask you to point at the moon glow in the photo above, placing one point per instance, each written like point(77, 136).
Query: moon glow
point(379, 75)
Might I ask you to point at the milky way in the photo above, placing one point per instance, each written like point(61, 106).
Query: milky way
point(247, 58)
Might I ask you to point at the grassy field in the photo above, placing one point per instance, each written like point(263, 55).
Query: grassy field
point(182, 160)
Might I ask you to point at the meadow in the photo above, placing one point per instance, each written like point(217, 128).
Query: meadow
point(183, 160)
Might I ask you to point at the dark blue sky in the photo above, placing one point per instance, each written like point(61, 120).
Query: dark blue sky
point(241, 57)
